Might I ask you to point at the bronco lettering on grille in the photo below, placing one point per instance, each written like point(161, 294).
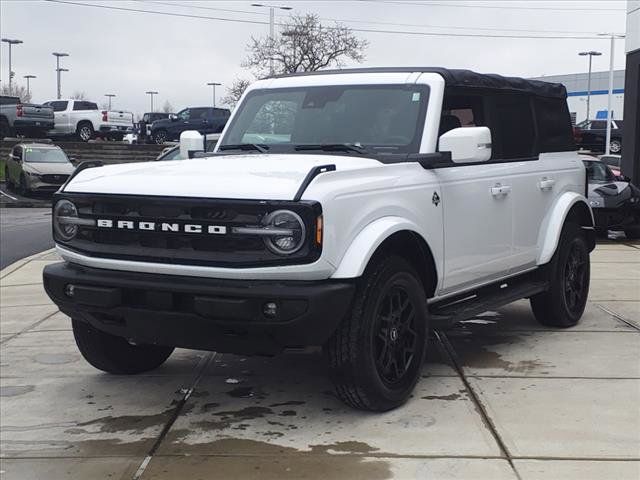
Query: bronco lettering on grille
point(161, 226)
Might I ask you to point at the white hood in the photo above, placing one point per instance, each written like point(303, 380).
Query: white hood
point(252, 176)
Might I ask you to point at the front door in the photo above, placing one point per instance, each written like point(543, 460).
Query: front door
point(478, 210)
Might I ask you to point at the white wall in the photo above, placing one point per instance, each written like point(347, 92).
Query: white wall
point(633, 25)
point(598, 102)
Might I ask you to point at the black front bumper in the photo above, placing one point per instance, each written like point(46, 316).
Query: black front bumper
point(200, 313)
point(626, 216)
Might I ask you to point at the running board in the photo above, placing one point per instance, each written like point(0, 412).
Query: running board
point(446, 312)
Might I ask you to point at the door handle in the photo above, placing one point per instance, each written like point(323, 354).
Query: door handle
point(499, 190)
point(546, 183)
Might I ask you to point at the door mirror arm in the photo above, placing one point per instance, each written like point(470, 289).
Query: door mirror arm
point(430, 161)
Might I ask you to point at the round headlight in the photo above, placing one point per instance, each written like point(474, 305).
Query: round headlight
point(293, 232)
point(64, 210)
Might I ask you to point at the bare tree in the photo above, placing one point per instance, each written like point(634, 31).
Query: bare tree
point(235, 91)
point(305, 45)
point(79, 95)
point(167, 107)
point(19, 91)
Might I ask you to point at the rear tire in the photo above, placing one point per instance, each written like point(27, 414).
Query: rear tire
point(569, 274)
point(376, 354)
point(84, 131)
point(113, 354)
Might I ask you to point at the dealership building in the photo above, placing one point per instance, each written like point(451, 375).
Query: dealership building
point(577, 86)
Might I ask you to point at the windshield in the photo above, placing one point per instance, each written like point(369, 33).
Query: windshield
point(599, 172)
point(45, 155)
point(380, 118)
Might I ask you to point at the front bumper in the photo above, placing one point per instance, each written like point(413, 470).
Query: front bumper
point(201, 313)
point(115, 129)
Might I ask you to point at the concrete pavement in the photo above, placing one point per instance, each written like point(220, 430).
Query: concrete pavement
point(501, 397)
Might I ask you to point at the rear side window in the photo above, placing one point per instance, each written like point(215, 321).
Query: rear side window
point(200, 113)
point(81, 105)
point(58, 105)
point(553, 122)
point(512, 126)
point(9, 100)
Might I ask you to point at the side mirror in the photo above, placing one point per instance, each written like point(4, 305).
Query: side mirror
point(623, 178)
point(467, 145)
point(173, 117)
point(190, 142)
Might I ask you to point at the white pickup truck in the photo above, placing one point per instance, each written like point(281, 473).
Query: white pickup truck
point(85, 120)
point(355, 210)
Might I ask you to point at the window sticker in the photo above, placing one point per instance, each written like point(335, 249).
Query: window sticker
point(415, 97)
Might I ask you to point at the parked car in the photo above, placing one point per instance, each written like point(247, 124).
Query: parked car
point(592, 135)
point(28, 119)
point(85, 120)
point(348, 209)
point(143, 129)
point(613, 162)
point(173, 152)
point(615, 201)
point(36, 167)
point(202, 119)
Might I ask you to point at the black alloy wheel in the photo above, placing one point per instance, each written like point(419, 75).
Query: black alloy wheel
point(576, 278)
point(396, 339)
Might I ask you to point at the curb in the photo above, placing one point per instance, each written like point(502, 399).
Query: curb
point(24, 205)
point(22, 262)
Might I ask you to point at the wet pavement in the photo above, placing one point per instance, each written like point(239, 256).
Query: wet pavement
point(501, 397)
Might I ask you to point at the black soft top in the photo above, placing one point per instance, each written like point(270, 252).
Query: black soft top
point(462, 78)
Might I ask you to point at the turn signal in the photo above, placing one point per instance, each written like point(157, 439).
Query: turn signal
point(319, 230)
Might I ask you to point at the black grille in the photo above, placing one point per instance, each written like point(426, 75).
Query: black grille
point(54, 179)
point(225, 250)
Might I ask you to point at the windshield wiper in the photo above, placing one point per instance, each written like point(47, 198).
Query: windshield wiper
point(245, 146)
point(334, 147)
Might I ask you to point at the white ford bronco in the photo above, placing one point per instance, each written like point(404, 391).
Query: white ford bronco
point(355, 210)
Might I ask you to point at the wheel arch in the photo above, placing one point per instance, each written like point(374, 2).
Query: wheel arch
point(386, 236)
point(572, 207)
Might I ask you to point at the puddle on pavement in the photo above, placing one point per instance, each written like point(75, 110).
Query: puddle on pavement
point(337, 460)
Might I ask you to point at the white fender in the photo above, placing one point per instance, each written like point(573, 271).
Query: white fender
point(362, 248)
point(552, 224)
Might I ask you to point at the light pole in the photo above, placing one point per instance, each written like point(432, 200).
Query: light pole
point(110, 96)
point(58, 69)
point(28, 77)
point(591, 54)
point(613, 37)
point(152, 93)
point(272, 16)
point(11, 42)
point(214, 84)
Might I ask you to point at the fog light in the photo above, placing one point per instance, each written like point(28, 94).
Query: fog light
point(270, 309)
point(69, 290)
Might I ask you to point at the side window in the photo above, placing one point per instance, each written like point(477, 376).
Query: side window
point(184, 114)
point(199, 113)
point(461, 111)
point(598, 125)
point(512, 128)
point(553, 122)
point(78, 106)
point(58, 105)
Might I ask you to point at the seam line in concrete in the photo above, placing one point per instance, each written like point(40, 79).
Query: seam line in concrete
point(547, 377)
point(26, 329)
point(174, 416)
point(618, 317)
point(476, 400)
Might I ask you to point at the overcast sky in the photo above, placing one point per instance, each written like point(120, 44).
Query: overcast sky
point(128, 53)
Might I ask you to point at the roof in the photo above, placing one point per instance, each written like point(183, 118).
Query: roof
point(461, 78)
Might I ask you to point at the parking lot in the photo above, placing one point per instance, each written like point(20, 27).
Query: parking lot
point(500, 398)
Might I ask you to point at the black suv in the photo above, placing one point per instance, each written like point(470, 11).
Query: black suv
point(592, 135)
point(144, 125)
point(202, 119)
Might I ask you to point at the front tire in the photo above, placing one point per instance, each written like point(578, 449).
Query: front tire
point(113, 354)
point(376, 354)
point(615, 146)
point(564, 303)
point(160, 137)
